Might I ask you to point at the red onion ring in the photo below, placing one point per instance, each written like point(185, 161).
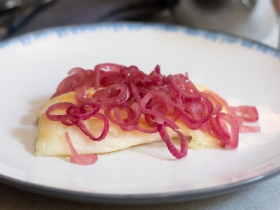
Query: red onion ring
point(171, 147)
point(104, 132)
point(218, 98)
point(81, 94)
point(81, 159)
point(194, 111)
point(246, 113)
point(166, 100)
point(115, 94)
point(74, 116)
point(135, 92)
point(72, 82)
point(129, 123)
point(73, 112)
point(60, 117)
point(227, 136)
point(217, 106)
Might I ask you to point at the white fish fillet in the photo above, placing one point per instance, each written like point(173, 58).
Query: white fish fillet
point(51, 140)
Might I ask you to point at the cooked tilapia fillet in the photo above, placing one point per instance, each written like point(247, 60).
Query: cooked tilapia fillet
point(51, 140)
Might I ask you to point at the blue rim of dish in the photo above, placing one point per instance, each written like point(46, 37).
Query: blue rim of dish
point(165, 197)
point(119, 26)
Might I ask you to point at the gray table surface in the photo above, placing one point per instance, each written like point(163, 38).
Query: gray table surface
point(263, 195)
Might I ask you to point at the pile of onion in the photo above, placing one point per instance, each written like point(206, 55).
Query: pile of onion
point(160, 100)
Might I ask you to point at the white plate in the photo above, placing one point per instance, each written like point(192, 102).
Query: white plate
point(241, 71)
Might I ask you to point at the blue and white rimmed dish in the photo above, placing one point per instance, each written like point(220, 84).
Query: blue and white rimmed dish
point(241, 71)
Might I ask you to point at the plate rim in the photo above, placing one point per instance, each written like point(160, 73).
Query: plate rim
point(146, 198)
point(62, 31)
point(151, 198)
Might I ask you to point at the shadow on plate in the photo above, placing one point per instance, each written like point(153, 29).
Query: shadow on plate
point(27, 133)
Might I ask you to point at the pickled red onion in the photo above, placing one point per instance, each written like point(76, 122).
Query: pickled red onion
point(73, 112)
point(130, 122)
point(76, 115)
point(170, 145)
point(226, 128)
point(160, 95)
point(246, 113)
point(81, 159)
point(128, 95)
point(75, 80)
point(194, 111)
point(104, 131)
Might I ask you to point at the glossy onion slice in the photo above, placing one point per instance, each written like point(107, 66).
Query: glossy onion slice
point(226, 128)
point(81, 159)
point(170, 145)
